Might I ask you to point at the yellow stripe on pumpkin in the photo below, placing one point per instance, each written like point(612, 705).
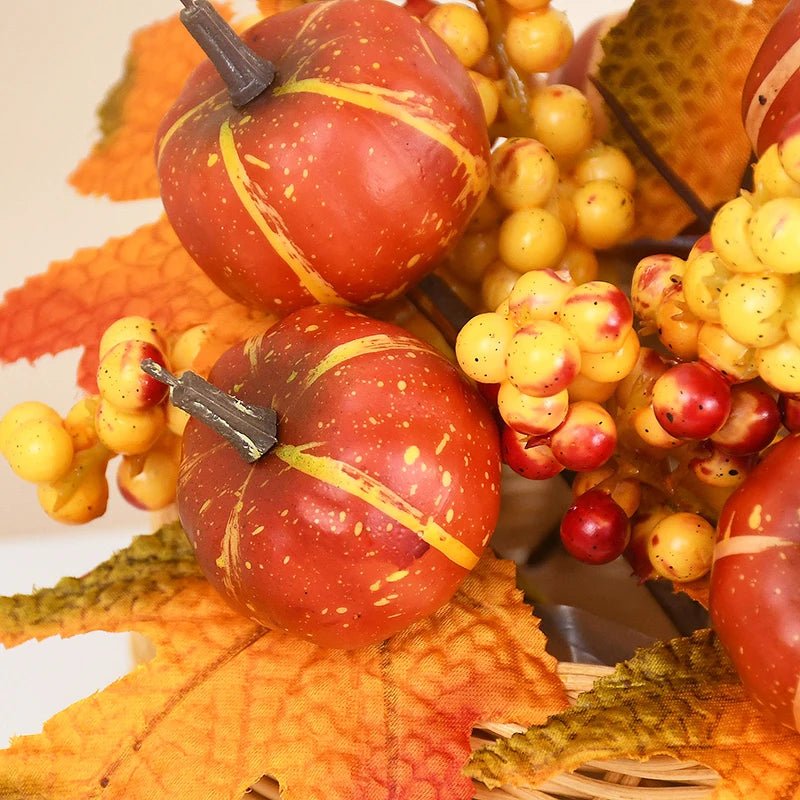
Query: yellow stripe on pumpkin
point(357, 483)
point(378, 343)
point(397, 105)
point(269, 222)
point(229, 560)
point(186, 117)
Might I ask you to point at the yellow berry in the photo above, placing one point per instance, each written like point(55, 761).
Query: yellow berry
point(774, 230)
point(22, 414)
point(531, 238)
point(39, 450)
point(614, 366)
point(79, 496)
point(489, 95)
point(177, 419)
point(681, 547)
point(750, 308)
point(650, 431)
point(703, 281)
point(605, 213)
point(562, 120)
point(187, 347)
point(580, 262)
point(472, 255)
point(733, 359)
point(128, 432)
point(770, 179)
point(559, 204)
point(652, 277)
point(497, 283)
point(487, 216)
point(779, 366)
point(462, 28)
point(602, 162)
point(598, 315)
point(482, 345)
point(531, 415)
point(543, 359)
point(148, 481)
point(524, 173)
point(731, 238)
point(122, 381)
point(583, 388)
point(538, 295)
point(678, 328)
point(538, 41)
point(127, 328)
point(79, 422)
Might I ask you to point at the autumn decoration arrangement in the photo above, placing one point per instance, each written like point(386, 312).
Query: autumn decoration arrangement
point(403, 247)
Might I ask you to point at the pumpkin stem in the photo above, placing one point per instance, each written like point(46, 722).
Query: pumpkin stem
point(252, 430)
point(245, 73)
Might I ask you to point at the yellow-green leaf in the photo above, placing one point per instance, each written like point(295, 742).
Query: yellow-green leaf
point(681, 698)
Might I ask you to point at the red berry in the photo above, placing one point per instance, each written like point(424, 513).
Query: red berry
point(691, 400)
point(536, 462)
point(595, 529)
point(586, 439)
point(752, 423)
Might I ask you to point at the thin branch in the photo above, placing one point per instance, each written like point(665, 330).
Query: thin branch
point(676, 183)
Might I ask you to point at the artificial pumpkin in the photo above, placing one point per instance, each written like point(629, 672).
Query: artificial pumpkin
point(377, 500)
point(755, 581)
point(347, 179)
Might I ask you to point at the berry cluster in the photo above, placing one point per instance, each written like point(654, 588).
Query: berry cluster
point(558, 193)
point(555, 352)
point(68, 458)
point(694, 419)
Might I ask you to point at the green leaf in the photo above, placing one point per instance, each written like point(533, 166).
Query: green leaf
point(680, 698)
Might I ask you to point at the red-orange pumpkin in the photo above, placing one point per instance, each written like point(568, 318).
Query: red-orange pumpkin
point(347, 179)
point(377, 500)
point(771, 93)
point(755, 581)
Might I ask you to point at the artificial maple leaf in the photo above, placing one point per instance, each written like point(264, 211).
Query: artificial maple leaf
point(227, 700)
point(147, 273)
point(698, 590)
point(680, 698)
point(121, 164)
point(678, 69)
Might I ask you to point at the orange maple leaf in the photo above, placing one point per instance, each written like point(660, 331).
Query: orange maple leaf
point(225, 701)
point(678, 69)
point(121, 164)
point(146, 273)
point(161, 57)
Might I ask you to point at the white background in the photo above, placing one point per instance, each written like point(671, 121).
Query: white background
point(57, 59)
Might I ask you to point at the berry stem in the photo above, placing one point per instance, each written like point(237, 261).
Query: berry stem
point(252, 430)
point(245, 73)
point(516, 88)
point(436, 301)
point(676, 183)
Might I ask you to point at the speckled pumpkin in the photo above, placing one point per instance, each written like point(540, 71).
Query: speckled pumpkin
point(755, 581)
point(347, 179)
point(378, 498)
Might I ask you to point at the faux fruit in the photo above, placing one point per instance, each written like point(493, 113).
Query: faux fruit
point(346, 179)
point(377, 500)
point(755, 591)
point(772, 90)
